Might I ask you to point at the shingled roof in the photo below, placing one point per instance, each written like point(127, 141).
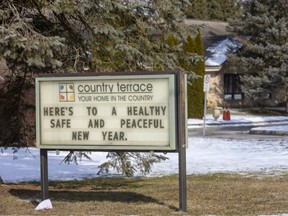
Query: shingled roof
point(211, 31)
point(217, 41)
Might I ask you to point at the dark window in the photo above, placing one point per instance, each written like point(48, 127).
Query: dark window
point(232, 87)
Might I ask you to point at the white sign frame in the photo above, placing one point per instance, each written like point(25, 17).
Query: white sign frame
point(45, 113)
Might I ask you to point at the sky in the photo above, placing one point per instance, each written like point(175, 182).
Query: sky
point(205, 155)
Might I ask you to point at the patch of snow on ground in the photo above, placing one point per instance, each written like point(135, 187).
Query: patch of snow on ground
point(204, 156)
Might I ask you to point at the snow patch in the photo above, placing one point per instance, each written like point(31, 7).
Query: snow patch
point(218, 52)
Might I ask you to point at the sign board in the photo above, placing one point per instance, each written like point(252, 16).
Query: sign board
point(107, 112)
point(206, 83)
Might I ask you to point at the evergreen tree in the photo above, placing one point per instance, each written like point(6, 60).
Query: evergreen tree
point(224, 9)
point(195, 94)
point(195, 91)
point(264, 56)
point(198, 9)
point(81, 35)
point(213, 9)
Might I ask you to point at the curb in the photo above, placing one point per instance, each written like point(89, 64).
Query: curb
point(252, 123)
point(266, 132)
point(258, 126)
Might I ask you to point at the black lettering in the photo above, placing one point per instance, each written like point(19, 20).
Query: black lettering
point(60, 123)
point(141, 111)
point(70, 109)
point(150, 122)
point(51, 113)
point(138, 123)
point(144, 123)
point(74, 135)
point(135, 110)
point(96, 123)
point(80, 88)
point(92, 110)
point(141, 123)
point(68, 121)
point(45, 111)
point(161, 124)
point(62, 110)
point(121, 135)
point(128, 123)
point(142, 87)
point(52, 123)
point(90, 124)
point(163, 108)
point(156, 123)
point(152, 110)
point(85, 135)
point(113, 135)
point(146, 111)
point(80, 135)
point(134, 125)
point(157, 110)
point(149, 87)
point(129, 111)
point(114, 111)
point(104, 135)
point(122, 122)
point(109, 135)
point(57, 111)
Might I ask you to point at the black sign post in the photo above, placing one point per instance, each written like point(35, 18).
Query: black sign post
point(182, 125)
point(44, 174)
point(182, 180)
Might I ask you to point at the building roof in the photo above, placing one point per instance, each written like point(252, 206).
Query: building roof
point(210, 30)
point(216, 54)
point(217, 41)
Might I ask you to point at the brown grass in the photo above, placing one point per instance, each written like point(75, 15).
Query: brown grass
point(219, 194)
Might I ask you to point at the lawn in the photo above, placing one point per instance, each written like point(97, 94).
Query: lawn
point(217, 194)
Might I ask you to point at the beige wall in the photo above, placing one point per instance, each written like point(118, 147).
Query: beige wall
point(215, 94)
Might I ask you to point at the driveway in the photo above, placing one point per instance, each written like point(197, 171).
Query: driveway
point(237, 132)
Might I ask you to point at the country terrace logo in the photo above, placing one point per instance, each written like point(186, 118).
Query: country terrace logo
point(66, 92)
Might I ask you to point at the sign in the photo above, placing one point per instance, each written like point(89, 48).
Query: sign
point(101, 112)
point(206, 83)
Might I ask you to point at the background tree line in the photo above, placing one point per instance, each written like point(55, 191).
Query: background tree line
point(74, 36)
point(79, 36)
point(261, 26)
point(263, 58)
point(213, 9)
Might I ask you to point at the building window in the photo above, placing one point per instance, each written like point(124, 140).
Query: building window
point(232, 87)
